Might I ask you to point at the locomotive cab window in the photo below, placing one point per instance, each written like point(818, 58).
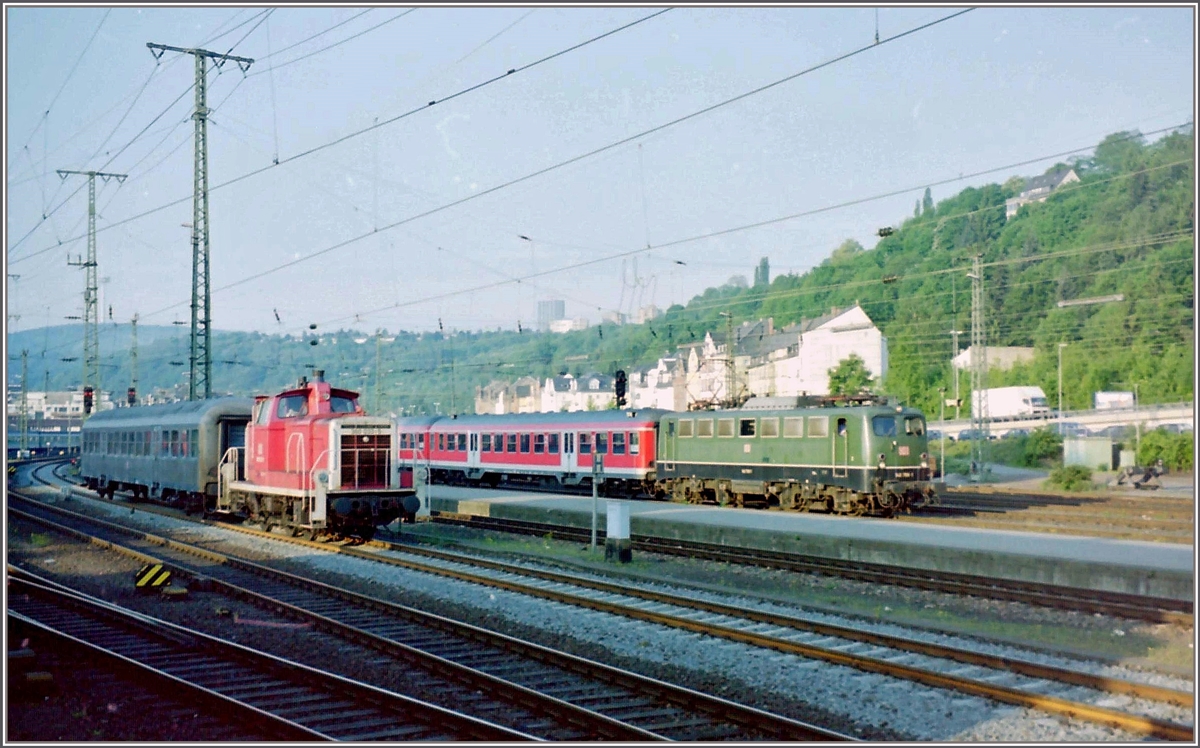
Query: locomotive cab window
point(914, 425)
point(725, 427)
point(818, 425)
point(746, 427)
point(884, 425)
point(341, 404)
point(685, 427)
point(292, 406)
point(704, 427)
point(261, 412)
point(770, 427)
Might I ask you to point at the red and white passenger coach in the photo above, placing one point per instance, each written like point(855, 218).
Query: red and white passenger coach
point(540, 449)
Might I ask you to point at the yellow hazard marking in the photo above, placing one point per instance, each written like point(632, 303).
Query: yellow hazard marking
point(153, 575)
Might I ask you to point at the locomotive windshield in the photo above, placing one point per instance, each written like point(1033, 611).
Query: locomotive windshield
point(341, 404)
point(884, 425)
point(914, 425)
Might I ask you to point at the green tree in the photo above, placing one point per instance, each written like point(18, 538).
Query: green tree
point(762, 273)
point(927, 201)
point(849, 377)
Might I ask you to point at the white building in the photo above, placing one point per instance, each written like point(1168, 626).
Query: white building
point(65, 404)
point(998, 357)
point(569, 325)
point(1038, 189)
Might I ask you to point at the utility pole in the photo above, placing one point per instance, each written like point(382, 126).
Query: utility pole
point(378, 373)
point(979, 366)
point(954, 370)
point(24, 401)
point(133, 363)
point(12, 317)
point(91, 314)
point(200, 358)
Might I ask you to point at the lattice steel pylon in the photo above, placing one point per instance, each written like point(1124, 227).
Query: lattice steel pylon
point(91, 311)
point(980, 422)
point(200, 357)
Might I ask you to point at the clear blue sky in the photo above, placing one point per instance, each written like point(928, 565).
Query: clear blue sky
point(993, 87)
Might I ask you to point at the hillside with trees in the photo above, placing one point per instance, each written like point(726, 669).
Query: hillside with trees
point(1125, 228)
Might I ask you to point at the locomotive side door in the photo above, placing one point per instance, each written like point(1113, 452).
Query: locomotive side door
point(841, 448)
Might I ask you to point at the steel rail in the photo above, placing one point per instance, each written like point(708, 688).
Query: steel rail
point(749, 719)
point(169, 693)
point(337, 708)
point(1155, 609)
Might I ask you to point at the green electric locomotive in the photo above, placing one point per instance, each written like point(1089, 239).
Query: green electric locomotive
point(863, 456)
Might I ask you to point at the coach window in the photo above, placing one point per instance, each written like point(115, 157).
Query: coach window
point(183, 443)
point(421, 442)
point(165, 449)
point(462, 442)
point(552, 444)
point(539, 444)
point(403, 441)
point(487, 443)
point(195, 442)
point(633, 443)
point(724, 427)
point(704, 427)
point(512, 443)
point(441, 442)
point(585, 444)
point(618, 443)
point(524, 443)
point(769, 427)
point(174, 443)
point(746, 427)
point(601, 443)
point(818, 425)
point(685, 428)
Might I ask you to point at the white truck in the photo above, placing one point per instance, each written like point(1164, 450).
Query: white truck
point(1007, 403)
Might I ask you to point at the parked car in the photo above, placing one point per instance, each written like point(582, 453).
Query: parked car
point(973, 434)
point(1116, 432)
point(1015, 433)
point(1069, 428)
point(935, 435)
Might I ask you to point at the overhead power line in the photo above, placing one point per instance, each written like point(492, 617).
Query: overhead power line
point(370, 128)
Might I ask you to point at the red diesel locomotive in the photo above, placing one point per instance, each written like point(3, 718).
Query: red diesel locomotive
point(536, 449)
point(314, 462)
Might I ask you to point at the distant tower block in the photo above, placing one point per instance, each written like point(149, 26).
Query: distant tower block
point(550, 311)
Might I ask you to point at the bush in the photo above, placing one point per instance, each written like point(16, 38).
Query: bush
point(1175, 450)
point(1070, 478)
point(1041, 447)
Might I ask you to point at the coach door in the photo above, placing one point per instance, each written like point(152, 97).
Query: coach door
point(570, 460)
point(473, 449)
point(233, 434)
point(841, 448)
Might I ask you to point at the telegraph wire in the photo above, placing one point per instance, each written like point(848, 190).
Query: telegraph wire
point(271, 54)
point(396, 17)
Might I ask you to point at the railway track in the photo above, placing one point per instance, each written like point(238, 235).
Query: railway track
point(487, 674)
point(295, 702)
point(1005, 680)
point(83, 676)
point(1159, 610)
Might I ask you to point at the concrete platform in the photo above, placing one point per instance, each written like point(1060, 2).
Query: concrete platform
point(1155, 569)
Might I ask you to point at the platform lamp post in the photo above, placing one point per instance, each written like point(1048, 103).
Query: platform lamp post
point(597, 479)
point(942, 428)
point(1060, 408)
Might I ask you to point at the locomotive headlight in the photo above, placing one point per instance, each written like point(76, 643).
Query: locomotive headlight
point(882, 460)
point(924, 459)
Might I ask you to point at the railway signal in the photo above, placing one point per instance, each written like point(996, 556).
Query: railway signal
point(619, 386)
